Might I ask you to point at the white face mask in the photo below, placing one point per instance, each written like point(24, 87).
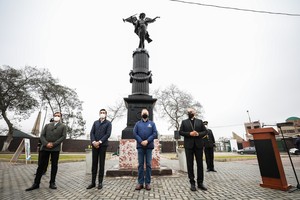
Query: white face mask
point(102, 116)
point(56, 119)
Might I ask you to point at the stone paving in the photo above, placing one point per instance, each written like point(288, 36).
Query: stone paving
point(234, 180)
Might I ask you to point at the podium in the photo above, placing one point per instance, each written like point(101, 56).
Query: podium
point(269, 160)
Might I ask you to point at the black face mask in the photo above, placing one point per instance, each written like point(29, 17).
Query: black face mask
point(191, 115)
point(144, 116)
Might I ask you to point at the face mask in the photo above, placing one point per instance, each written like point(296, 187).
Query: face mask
point(145, 116)
point(56, 119)
point(191, 115)
point(102, 116)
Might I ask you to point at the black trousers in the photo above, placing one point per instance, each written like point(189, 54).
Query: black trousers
point(190, 154)
point(98, 158)
point(39, 162)
point(43, 163)
point(209, 157)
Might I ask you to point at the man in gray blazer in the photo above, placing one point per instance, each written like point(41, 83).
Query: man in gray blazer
point(193, 130)
point(52, 136)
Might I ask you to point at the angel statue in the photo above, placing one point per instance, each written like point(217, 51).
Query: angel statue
point(140, 27)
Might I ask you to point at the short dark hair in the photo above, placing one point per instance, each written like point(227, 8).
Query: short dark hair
point(59, 113)
point(103, 110)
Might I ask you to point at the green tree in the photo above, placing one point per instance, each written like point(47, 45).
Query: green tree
point(16, 97)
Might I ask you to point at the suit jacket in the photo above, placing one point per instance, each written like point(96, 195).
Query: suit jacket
point(55, 134)
point(192, 141)
point(101, 131)
point(209, 140)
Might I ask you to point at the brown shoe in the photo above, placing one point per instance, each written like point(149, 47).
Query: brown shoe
point(139, 187)
point(148, 187)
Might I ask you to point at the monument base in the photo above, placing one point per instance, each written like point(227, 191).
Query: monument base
point(117, 172)
point(128, 161)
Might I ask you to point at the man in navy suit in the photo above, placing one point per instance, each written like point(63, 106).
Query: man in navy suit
point(193, 131)
point(100, 133)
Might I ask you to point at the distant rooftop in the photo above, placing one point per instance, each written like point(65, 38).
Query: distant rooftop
point(21, 134)
point(292, 119)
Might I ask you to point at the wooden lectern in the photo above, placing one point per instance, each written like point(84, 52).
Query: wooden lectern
point(269, 160)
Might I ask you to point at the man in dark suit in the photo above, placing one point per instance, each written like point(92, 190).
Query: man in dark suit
point(100, 133)
point(39, 147)
point(193, 130)
point(52, 136)
point(209, 147)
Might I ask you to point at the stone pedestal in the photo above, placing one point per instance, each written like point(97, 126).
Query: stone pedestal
point(182, 159)
point(128, 161)
point(128, 155)
point(88, 161)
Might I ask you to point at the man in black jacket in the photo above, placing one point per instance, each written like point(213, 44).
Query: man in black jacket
point(209, 147)
point(99, 135)
point(193, 131)
point(52, 136)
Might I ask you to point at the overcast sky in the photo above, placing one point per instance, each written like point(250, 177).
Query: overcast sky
point(230, 61)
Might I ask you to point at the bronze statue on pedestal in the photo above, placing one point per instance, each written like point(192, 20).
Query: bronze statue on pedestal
point(140, 27)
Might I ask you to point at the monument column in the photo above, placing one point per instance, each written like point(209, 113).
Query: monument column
point(140, 78)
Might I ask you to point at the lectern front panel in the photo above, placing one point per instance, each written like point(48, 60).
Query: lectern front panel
point(266, 158)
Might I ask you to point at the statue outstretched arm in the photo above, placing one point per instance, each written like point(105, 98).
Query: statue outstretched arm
point(149, 20)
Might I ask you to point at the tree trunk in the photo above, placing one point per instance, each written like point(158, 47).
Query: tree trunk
point(10, 133)
point(8, 139)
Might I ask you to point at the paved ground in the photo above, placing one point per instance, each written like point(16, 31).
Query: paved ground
point(234, 180)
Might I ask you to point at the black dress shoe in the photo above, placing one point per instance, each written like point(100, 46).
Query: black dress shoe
point(100, 186)
point(52, 186)
point(91, 186)
point(148, 187)
point(201, 186)
point(33, 187)
point(139, 187)
point(193, 188)
point(213, 170)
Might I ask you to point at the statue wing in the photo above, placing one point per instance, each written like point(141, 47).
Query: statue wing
point(131, 19)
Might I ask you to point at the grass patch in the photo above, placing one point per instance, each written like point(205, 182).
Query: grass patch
point(225, 158)
point(34, 157)
point(67, 157)
point(218, 157)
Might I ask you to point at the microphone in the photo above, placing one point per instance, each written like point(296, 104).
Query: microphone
point(285, 124)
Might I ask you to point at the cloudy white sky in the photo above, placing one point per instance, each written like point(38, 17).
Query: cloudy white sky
point(230, 61)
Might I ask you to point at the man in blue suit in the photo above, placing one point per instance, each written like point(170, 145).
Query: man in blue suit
point(144, 132)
